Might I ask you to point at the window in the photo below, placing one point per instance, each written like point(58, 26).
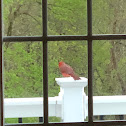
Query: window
point(90, 38)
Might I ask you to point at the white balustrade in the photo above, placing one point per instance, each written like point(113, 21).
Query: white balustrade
point(71, 104)
point(73, 98)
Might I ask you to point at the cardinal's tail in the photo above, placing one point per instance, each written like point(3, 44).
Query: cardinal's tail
point(76, 77)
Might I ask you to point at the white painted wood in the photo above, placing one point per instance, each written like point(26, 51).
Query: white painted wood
point(71, 104)
point(31, 107)
point(108, 105)
point(73, 99)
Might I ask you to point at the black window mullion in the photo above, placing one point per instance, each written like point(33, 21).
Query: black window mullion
point(90, 82)
point(45, 62)
point(1, 71)
point(89, 38)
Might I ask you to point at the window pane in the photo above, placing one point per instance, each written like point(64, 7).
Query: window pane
point(22, 17)
point(66, 17)
point(109, 71)
point(71, 99)
point(23, 81)
point(109, 16)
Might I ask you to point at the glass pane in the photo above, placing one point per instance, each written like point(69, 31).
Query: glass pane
point(67, 17)
point(23, 81)
point(22, 17)
point(109, 16)
point(109, 71)
point(67, 103)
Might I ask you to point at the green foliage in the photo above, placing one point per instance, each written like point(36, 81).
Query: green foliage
point(101, 59)
point(11, 120)
point(23, 70)
point(54, 119)
point(67, 17)
point(23, 61)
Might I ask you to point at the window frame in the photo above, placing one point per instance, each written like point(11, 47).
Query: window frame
point(45, 38)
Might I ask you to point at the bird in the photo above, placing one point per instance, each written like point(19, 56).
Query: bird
point(67, 71)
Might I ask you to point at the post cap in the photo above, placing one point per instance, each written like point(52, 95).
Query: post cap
point(70, 82)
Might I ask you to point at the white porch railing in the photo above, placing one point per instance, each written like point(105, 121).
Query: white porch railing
point(71, 104)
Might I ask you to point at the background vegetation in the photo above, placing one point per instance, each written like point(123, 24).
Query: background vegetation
point(23, 61)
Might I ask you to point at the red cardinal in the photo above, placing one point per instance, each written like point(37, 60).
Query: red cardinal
point(67, 71)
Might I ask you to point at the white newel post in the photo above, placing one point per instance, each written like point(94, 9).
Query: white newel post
point(73, 98)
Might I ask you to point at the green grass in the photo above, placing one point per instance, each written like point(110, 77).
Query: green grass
point(31, 120)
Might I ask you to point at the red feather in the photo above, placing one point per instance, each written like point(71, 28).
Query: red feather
point(67, 71)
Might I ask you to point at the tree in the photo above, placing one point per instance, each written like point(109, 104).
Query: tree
point(66, 17)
